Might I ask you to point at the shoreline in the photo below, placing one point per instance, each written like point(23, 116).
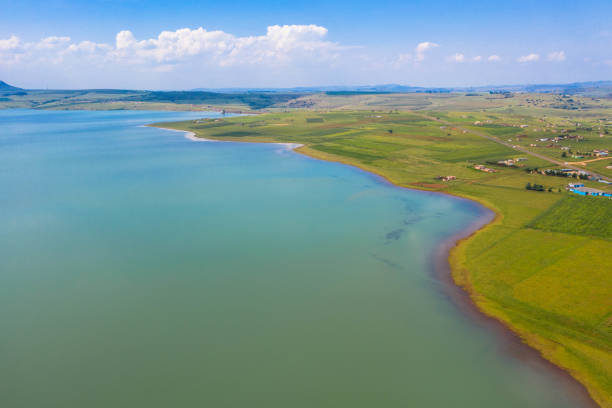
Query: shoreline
point(192, 136)
point(510, 342)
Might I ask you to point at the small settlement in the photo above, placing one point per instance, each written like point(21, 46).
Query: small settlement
point(511, 162)
point(485, 169)
point(580, 189)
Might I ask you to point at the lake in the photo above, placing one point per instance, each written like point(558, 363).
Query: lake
point(141, 269)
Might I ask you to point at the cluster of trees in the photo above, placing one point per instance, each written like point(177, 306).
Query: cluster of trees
point(506, 94)
point(560, 173)
point(535, 187)
point(557, 173)
point(539, 187)
point(580, 153)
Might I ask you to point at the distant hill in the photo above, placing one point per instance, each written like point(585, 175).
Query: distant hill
point(255, 100)
point(4, 87)
point(593, 88)
point(386, 88)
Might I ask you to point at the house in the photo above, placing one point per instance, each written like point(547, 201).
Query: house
point(511, 162)
point(447, 178)
point(508, 162)
point(600, 153)
point(588, 191)
point(483, 168)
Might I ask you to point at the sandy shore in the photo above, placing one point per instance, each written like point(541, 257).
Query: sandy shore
point(192, 136)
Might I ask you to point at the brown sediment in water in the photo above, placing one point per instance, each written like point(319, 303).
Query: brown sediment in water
point(510, 342)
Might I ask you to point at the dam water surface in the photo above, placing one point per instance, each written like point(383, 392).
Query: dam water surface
point(141, 269)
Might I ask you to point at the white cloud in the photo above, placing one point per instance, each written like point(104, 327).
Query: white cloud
point(456, 58)
point(10, 43)
point(279, 45)
point(557, 56)
point(88, 47)
point(51, 42)
point(422, 48)
point(529, 58)
point(494, 58)
point(477, 58)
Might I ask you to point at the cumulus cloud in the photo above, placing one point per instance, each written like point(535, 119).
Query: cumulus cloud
point(10, 43)
point(494, 58)
point(529, 58)
point(51, 42)
point(456, 58)
point(557, 56)
point(422, 48)
point(461, 58)
point(280, 44)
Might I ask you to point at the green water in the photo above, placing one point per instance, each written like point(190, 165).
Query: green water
point(140, 269)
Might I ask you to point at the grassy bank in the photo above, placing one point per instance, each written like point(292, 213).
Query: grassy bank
point(542, 267)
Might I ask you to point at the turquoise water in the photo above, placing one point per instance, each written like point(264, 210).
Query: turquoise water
point(141, 269)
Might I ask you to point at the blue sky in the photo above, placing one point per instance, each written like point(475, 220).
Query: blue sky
point(74, 44)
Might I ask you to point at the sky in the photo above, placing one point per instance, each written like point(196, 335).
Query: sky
point(138, 44)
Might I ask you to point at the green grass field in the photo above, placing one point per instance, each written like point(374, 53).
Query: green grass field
point(589, 216)
point(542, 267)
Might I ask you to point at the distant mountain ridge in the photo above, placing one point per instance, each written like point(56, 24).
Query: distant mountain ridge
point(4, 87)
point(570, 88)
point(599, 88)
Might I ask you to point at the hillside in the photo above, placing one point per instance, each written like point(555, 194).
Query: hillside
point(4, 87)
